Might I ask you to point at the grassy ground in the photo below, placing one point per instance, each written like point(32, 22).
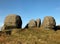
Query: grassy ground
point(32, 36)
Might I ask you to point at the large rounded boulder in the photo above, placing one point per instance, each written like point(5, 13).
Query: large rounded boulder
point(38, 22)
point(49, 22)
point(32, 24)
point(13, 21)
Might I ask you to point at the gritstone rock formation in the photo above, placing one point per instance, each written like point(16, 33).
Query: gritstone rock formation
point(38, 22)
point(32, 24)
point(49, 22)
point(12, 21)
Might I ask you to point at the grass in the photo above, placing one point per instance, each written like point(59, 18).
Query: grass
point(32, 36)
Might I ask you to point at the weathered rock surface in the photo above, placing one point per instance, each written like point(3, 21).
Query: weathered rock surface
point(49, 22)
point(32, 24)
point(38, 22)
point(13, 21)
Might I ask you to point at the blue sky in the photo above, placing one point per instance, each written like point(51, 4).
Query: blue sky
point(30, 9)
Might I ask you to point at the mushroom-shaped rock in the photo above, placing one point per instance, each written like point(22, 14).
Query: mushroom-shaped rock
point(13, 21)
point(32, 24)
point(49, 22)
point(38, 21)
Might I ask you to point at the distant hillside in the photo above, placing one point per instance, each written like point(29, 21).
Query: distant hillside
point(32, 36)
